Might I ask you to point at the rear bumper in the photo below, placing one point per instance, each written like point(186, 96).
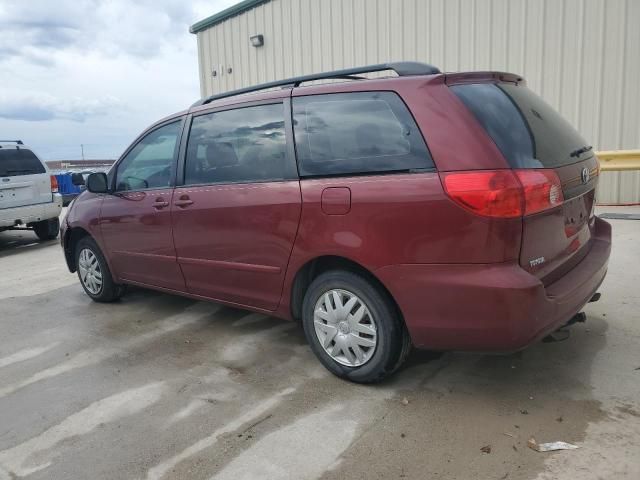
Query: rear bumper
point(497, 307)
point(31, 213)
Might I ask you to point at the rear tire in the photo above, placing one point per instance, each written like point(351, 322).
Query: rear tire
point(353, 327)
point(94, 274)
point(47, 229)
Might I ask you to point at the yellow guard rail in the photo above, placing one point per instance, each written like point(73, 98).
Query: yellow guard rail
point(619, 160)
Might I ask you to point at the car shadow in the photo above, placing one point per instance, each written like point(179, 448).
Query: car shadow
point(13, 242)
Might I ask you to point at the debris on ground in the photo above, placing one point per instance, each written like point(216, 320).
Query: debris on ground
point(509, 434)
point(559, 419)
point(405, 401)
point(486, 449)
point(515, 449)
point(549, 447)
point(524, 412)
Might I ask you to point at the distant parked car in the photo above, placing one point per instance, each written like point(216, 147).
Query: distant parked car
point(444, 211)
point(28, 192)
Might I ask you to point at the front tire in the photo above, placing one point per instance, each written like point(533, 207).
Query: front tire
point(94, 274)
point(47, 229)
point(353, 327)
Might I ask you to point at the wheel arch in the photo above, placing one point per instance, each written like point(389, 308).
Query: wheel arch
point(71, 238)
point(318, 265)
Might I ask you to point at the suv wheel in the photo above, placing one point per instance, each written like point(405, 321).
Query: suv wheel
point(353, 327)
point(94, 274)
point(47, 229)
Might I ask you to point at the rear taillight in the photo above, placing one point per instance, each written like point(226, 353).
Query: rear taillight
point(504, 193)
point(542, 190)
point(495, 193)
point(54, 184)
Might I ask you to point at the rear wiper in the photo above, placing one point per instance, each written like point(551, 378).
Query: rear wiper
point(580, 151)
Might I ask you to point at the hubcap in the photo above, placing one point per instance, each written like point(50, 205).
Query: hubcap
point(345, 328)
point(90, 273)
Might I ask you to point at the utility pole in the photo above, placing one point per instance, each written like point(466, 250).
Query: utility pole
point(82, 149)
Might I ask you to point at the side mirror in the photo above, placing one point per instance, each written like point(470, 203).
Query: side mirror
point(97, 182)
point(77, 179)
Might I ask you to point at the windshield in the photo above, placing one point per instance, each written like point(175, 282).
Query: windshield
point(15, 162)
point(528, 132)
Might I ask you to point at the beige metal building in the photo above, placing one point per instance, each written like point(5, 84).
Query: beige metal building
point(582, 56)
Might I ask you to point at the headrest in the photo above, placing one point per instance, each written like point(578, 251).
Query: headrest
point(221, 154)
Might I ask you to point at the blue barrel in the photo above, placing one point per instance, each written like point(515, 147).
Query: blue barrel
point(65, 185)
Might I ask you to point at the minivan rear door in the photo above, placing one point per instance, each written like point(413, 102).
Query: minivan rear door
point(236, 214)
point(532, 135)
point(23, 178)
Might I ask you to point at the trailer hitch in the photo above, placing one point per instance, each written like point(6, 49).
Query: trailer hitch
point(563, 332)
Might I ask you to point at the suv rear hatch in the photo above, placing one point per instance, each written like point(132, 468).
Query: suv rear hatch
point(549, 156)
point(23, 178)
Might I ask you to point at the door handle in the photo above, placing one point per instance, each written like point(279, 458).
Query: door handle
point(183, 201)
point(160, 203)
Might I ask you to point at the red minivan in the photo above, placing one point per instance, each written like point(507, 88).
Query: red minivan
point(443, 211)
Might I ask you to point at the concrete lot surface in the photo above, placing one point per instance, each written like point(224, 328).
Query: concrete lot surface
point(163, 387)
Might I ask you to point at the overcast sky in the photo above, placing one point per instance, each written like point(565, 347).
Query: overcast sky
point(95, 72)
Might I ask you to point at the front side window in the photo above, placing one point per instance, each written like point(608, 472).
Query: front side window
point(352, 133)
point(242, 145)
point(149, 163)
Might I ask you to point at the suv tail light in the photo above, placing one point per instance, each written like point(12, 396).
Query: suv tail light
point(504, 193)
point(54, 184)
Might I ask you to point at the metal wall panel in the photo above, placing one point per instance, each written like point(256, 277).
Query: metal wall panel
point(582, 56)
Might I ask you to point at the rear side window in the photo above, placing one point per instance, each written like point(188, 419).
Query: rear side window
point(351, 133)
point(528, 132)
point(15, 162)
point(242, 145)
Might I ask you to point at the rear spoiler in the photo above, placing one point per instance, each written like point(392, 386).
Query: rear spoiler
point(483, 77)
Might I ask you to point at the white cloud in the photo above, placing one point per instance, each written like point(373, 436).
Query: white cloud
point(95, 72)
point(43, 107)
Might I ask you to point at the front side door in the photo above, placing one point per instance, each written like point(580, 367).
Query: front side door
point(236, 214)
point(136, 217)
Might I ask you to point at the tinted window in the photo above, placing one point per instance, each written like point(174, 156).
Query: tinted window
point(363, 132)
point(243, 145)
point(14, 162)
point(528, 132)
point(149, 163)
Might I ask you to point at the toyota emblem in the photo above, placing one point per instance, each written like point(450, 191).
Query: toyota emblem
point(585, 175)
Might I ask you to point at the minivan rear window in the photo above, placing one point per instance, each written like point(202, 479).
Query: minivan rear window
point(19, 161)
point(528, 132)
point(356, 133)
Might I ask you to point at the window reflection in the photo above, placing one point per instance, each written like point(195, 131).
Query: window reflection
point(359, 132)
point(247, 144)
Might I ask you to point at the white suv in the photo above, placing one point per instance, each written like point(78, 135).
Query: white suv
point(29, 195)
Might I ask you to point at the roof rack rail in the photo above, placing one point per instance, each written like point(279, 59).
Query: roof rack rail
point(19, 142)
point(402, 69)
